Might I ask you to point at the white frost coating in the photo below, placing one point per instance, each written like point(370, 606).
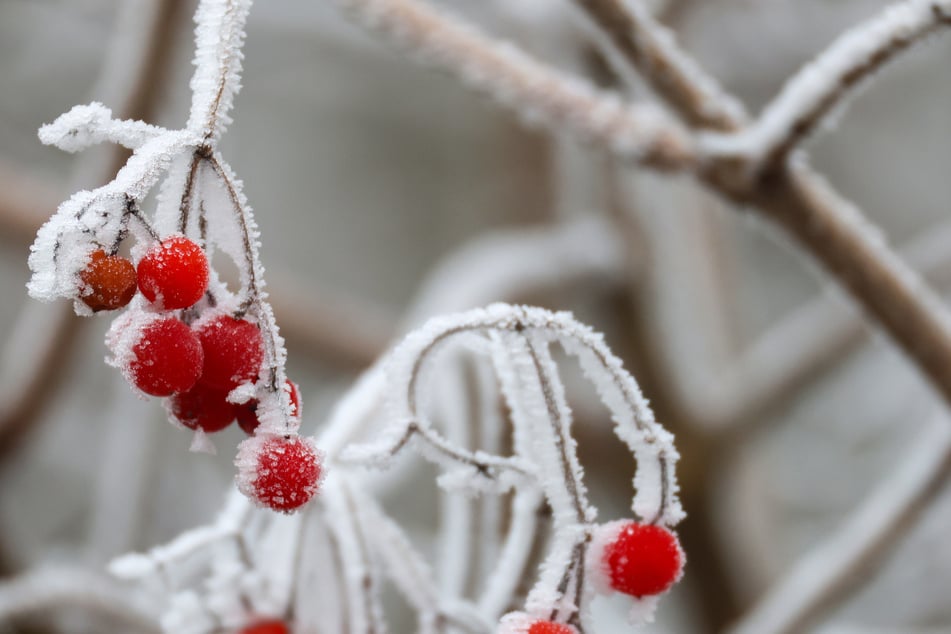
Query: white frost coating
point(714, 102)
point(94, 219)
point(219, 36)
point(515, 623)
point(823, 86)
point(202, 443)
point(655, 480)
point(125, 332)
point(541, 95)
point(545, 452)
point(91, 124)
point(595, 567)
point(641, 610)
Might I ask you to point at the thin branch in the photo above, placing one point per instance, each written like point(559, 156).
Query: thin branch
point(539, 93)
point(486, 465)
point(834, 568)
point(826, 83)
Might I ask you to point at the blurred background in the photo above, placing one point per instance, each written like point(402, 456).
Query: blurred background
point(386, 192)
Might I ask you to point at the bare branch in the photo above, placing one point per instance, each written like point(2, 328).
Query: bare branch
point(826, 83)
point(541, 94)
point(838, 565)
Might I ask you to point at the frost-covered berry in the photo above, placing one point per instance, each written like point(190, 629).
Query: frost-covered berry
point(166, 358)
point(643, 559)
point(281, 473)
point(203, 407)
point(266, 627)
point(247, 413)
point(234, 350)
point(174, 273)
point(550, 627)
point(108, 282)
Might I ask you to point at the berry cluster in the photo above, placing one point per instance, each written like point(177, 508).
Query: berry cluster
point(177, 343)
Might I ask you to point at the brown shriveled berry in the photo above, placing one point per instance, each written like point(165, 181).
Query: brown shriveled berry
point(108, 281)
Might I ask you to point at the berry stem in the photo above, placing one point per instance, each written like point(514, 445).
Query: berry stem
point(254, 299)
point(559, 433)
point(184, 208)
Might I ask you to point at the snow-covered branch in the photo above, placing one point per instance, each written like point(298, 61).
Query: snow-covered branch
point(540, 94)
point(653, 50)
point(823, 86)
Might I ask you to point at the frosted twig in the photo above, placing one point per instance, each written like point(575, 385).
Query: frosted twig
point(519, 338)
point(539, 93)
point(652, 49)
point(824, 84)
point(487, 466)
point(828, 226)
point(87, 125)
point(46, 589)
point(830, 570)
point(219, 37)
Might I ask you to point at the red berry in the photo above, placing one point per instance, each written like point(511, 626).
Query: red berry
point(266, 627)
point(549, 627)
point(203, 407)
point(247, 413)
point(174, 273)
point(166, 359)
point(644, 559)
point(234, 350)
point(278, 472)
point(108, 281)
